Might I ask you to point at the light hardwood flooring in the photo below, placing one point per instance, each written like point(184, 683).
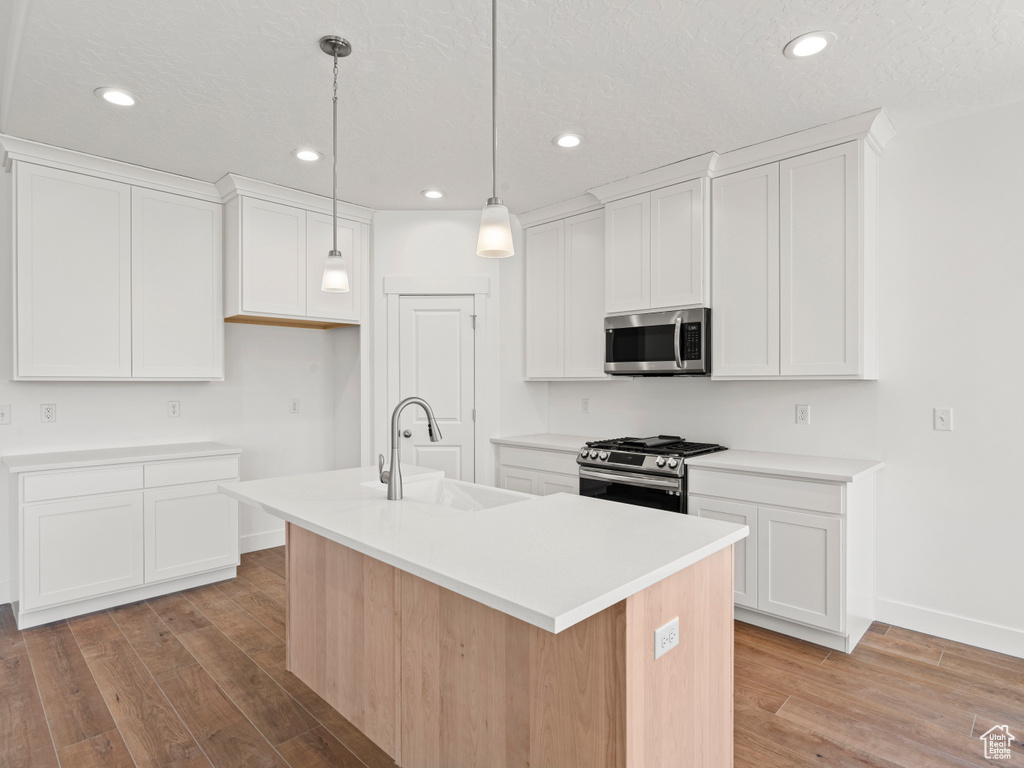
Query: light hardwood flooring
point(197, 679)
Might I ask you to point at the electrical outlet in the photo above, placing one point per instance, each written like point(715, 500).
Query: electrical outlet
point(48, 413)
point(173, 409)
point(666, 638)
point(295, 406)
point(5, 414)
point(803, 414)
point(943, 419)
point(585, 405)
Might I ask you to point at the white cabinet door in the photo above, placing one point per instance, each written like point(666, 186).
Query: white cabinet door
point(550, 482)
point(322, 304)
point(745, 265)
point(189, 529)
point(514, 479)
point(677, 245)
point(80, 548)
point(799, 559)
point(584, 296)
point(545, 301)
point(745, 552)
point(628, 254)
point(177, 318)
point(73, 275)
point(819, 264)
point(273, 258)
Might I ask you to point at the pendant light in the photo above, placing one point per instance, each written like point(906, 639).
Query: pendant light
point(495, 240)
point(335, 278)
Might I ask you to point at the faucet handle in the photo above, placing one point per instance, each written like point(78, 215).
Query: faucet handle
point(384, 475)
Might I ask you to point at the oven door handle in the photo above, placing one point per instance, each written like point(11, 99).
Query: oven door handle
point(630, 478)
point(678, 339)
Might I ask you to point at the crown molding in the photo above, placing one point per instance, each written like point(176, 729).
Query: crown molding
point(232, 185)
point(582, 204)
point(872, 127)
point(23, 150)
point(701, 166)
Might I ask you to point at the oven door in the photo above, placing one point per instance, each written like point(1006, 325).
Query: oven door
point(633, 488)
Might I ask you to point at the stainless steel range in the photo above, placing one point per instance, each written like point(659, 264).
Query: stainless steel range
point(648, 471)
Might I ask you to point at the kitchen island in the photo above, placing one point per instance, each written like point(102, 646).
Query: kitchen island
point(473, 626)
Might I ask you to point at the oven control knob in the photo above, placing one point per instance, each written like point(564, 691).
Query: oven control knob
point(584, 453)
point(603, 456)
point(672, 463)
point(660, 462)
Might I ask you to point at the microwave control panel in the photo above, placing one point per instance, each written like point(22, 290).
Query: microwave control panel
point(692, 342)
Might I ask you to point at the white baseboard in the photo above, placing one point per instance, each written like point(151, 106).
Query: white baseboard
point(959, 628)
point(5, 592)
point(264, 540)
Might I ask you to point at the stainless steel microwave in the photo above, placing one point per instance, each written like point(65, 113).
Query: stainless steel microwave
point(674, 343)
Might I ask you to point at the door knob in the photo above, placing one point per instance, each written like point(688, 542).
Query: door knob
point(407, 433)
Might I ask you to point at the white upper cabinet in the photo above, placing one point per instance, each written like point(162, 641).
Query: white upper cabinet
point(794, 267)
point(73, 275)
point(114, 280)
point(177, 320)
point(565, 298)
point(657, 254)
point(276, 242)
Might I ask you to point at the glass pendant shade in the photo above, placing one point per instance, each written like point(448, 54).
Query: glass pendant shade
point(495, 240)
point(335, 274)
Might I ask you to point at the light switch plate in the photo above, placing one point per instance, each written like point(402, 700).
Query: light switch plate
point(943, 419)
point(666, 638)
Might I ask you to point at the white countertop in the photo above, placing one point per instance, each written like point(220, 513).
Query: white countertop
point(786, 465)
point(551, 561)
point(561, 443)
point(32, 462)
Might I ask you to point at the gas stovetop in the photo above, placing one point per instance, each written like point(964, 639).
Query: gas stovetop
point(661, 454)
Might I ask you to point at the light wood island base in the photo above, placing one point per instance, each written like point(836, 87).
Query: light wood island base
point(440, 681)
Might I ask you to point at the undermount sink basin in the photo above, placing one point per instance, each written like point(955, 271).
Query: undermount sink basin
point(455, 494)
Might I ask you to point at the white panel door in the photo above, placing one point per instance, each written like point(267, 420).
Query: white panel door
point(799, 559)
point(273, 258)
point(177, 317)
point(515, 479)
point(677, 245)
point(545, 301)
point(189, 529)
point(745, 272)
point(628, 254)
point(436, 362)
point(82, 547)
point(745, 550)
point(73, 265)
point(323, 304)
point(584, 296)
point(819, 286)
point(550, 482)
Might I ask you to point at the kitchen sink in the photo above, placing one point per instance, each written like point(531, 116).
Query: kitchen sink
point(456, 494)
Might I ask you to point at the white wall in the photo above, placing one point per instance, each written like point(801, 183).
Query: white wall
point(951, 282)
point(443, 244)
point(265, 368)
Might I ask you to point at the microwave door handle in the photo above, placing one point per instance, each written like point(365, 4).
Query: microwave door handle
point(678, 339)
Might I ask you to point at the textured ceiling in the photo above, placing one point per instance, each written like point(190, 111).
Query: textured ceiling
point(235, 85)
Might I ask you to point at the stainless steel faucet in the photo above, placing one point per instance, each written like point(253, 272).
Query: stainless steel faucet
point(393, 474)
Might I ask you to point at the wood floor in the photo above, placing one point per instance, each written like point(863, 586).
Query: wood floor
point(197, 680)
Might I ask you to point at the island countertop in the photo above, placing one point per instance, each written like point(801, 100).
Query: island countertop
point(551, 561)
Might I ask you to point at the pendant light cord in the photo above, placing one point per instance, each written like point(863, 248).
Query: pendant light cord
point(334, 196)
point(494, 98)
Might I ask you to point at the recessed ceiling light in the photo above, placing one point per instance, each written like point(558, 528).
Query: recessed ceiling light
point(808, 44)
point(433, 194)
point(116, 96)
point(308, 155)
point(567, 140)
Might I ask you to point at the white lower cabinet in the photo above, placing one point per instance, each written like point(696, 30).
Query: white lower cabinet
point(537, 471)
point(807, 568)
point(95, 529)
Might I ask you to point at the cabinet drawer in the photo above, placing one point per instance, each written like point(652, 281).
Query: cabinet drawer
point(44, 486)
point(193, 471)
point(546, 461)
point(774, 491)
